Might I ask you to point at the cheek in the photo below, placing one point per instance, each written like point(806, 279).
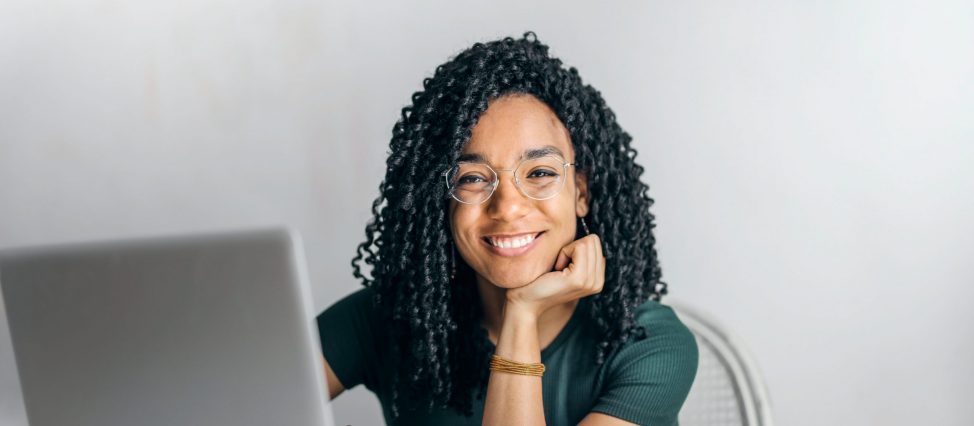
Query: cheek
point(461, 223)
point(564, 220)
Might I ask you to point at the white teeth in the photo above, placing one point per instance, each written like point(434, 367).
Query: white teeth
point(511, 242)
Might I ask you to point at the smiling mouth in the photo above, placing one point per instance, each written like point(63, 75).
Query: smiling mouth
point(513, 245)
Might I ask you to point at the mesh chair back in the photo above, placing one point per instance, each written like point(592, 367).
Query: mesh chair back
point(728, 389)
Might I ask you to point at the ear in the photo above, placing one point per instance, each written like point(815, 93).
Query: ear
point(581, 194)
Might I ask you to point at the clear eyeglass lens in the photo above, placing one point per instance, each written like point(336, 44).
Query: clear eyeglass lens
point(538, 178)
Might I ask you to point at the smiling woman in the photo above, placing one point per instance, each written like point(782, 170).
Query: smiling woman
point(490, 234)
point(514, 277)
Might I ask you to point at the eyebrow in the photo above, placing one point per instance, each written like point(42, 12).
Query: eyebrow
point(529, 154)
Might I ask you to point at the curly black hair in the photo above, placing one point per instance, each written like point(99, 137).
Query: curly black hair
point(435, 332)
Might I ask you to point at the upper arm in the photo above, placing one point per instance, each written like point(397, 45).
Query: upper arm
point(335, 387)
point(602, 419)
point(649, 380)
point(349, 343)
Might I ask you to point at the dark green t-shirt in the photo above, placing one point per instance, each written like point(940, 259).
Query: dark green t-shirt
point(644, 382)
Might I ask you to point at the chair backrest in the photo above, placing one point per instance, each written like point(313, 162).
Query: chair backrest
point(728, 389)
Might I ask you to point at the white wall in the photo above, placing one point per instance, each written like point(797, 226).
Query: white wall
point(811, 163)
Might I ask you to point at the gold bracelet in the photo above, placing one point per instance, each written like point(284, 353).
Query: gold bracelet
point(507, 366)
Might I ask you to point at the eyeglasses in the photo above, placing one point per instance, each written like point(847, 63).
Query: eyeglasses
point(537, 178)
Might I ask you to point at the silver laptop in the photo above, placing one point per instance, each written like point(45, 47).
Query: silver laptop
point(194, 330)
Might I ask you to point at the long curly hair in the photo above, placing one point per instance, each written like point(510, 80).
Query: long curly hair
point(435, 335)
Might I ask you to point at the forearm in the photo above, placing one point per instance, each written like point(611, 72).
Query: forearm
point(515, 398)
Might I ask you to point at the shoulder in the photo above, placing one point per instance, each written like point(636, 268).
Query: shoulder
point(352, 338)
point(662, 322)
point(362, 296)
point(353, 313)
point(648, 380)
point(669, 345)
point(357, 303)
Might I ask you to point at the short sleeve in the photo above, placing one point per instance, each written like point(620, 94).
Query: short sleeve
point(349, 339)
point(648, 380)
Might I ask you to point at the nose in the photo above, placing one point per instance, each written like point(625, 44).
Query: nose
point(507, 204)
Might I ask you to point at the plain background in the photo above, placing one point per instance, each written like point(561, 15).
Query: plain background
point(811, 162)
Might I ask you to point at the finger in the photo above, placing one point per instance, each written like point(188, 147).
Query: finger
point(565, 256)
point(585, 246)
point(579, 255)
point(600, 272)
point(593, 262)
point(598, 247)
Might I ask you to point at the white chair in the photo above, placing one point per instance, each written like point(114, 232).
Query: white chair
point(728, 389)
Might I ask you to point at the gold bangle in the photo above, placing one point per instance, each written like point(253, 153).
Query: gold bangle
point(507, 366)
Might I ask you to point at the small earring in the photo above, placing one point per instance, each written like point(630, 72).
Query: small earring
point(584, 226)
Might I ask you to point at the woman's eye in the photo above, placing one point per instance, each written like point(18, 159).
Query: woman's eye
point(469, 179)
point(542, 173)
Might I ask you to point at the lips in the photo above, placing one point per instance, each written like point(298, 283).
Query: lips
point(511, 244)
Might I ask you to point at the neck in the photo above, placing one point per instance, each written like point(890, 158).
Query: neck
point(550, 323)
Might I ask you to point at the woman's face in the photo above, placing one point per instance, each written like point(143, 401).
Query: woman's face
point(509, 128)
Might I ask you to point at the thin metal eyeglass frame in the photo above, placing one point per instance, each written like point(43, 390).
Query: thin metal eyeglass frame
point(517, 182)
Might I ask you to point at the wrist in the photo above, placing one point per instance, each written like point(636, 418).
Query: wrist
point(518, 338)
point(520, 313)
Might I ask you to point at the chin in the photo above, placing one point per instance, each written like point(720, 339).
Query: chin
point(510, 284)
point(514, 280)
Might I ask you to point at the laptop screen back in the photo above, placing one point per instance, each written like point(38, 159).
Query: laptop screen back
point(201, 330)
